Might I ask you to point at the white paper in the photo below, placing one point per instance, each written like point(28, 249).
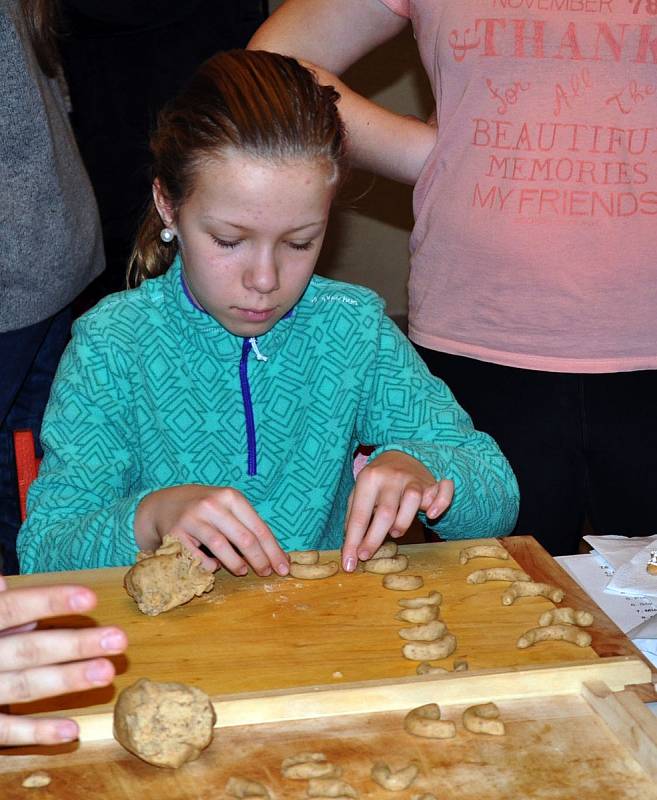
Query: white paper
point(618, 550)
point(633, 578)
point(592, 573)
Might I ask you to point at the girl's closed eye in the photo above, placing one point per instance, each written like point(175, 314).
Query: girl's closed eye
point(302, 245)
point(227, 243)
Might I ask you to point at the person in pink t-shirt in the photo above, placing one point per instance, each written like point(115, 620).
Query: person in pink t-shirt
point(533, 289)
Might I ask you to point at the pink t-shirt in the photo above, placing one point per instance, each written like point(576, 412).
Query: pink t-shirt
point(535, 243)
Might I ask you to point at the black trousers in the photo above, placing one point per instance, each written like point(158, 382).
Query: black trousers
point(583, 446)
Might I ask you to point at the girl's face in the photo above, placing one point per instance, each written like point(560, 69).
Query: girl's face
point(249, 235)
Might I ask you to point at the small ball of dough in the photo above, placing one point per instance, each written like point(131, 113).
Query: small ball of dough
point(37, 780)
point(165, 724)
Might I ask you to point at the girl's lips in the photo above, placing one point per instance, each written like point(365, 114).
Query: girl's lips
point(254, 315)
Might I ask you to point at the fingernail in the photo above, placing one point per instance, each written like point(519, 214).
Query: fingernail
point(98, 673)
point(364, 555)
point(266, 572)
point(350, 564)
point(283, 568)
point(67, 731)
point(113, 642)
point(80, 601)
point(242, 571)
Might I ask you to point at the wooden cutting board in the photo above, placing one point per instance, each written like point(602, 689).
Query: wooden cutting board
point(252, 634)
point(562, 741)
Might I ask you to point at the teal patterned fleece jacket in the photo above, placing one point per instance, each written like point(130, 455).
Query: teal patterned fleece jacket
point(153, 392)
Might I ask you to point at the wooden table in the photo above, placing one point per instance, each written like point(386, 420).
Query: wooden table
point(296, 665)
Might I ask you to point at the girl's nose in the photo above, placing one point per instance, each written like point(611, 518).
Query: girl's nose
point(262, 273)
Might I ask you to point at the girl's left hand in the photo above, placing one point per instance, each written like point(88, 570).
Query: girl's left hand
point(388, 493)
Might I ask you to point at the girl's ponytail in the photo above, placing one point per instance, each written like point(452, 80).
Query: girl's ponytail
point(150, 256)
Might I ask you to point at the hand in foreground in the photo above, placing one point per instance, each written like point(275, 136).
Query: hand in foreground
point(388, 493)
point(218, 517)
point(44, 663)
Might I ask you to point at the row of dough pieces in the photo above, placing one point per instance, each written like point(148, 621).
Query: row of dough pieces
point(168, 724)
point(170, 577)
point(429, 638)
point(561, 624)
point(324, 778)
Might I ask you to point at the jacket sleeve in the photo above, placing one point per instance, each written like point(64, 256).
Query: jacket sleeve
point(404, 407)
point(81, 506)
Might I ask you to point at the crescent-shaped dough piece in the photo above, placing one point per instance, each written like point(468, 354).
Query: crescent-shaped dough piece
point(387, 550)
point(421, 614)
point(243, 788)
point(394, 781)
point(497, 574)
point(566, 616)
point(564, 633)
point(330, 787)
point(527, 589)
point(385, 566)
point(483, 718)
point(302, 758)
point(425, 721)
point(311, 769)
point(402, 583)
point(428, 669)
point(428, 632)
point(432, 599)
point(304, 556)
point(483, 551)
point(431, 651)
point(313, 572)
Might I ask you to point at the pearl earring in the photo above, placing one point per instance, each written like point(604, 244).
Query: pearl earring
point(167, 235)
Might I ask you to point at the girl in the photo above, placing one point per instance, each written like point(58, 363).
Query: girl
point(223, 399)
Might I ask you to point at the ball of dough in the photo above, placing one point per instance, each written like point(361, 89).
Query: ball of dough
point(165, 724)
point(167, 578)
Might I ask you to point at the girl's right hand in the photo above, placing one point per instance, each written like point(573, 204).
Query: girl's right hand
point(220, 518)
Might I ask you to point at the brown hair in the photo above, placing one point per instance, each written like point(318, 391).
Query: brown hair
point(42, 18)
point(261, 104)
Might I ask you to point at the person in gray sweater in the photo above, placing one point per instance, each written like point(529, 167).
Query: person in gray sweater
point(50, 235)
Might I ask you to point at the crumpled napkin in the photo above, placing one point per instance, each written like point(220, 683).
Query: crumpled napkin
point(628, 557)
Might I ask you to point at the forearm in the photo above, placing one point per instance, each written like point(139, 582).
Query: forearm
point(380, 140)
point(486, 497)
point(329, 37)
point(53, 541)
point(427, 423)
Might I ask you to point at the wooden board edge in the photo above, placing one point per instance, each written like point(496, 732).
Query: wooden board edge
point(534, 559)
point(367, 697)
point(628, 719)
